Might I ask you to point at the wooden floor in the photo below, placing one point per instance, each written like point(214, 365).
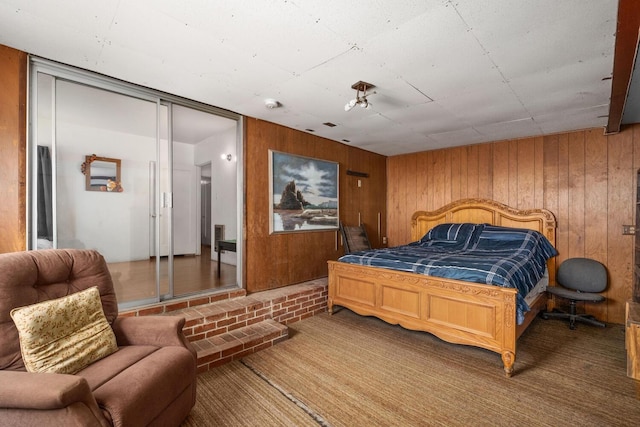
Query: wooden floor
point(135, 280)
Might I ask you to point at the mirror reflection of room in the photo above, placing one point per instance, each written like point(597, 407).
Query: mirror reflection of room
point(150, 231)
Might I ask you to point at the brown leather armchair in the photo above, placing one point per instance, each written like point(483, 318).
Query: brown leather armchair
point(149, 380)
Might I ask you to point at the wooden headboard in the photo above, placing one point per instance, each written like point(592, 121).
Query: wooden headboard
point(483, 211)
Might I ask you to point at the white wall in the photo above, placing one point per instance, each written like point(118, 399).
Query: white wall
point(185, 196)
point(115, 224)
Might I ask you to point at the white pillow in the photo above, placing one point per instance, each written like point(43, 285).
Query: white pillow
point(64, 335)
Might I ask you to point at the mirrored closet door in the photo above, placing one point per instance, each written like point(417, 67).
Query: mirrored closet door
point(119, 171)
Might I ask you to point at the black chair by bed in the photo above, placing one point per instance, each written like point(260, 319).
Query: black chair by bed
point(580, 280)
point(355, 238)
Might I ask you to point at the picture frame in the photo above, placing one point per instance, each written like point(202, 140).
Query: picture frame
point(303, 193)
point(102, 174)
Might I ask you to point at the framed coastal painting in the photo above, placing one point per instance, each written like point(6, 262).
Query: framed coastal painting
point(303, 193)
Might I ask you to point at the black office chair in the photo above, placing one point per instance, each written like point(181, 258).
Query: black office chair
point(580, 279)
point(355, 238)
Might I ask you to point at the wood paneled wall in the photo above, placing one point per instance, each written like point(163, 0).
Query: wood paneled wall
point(587, 179)
point(13, 145)
point(276, 260)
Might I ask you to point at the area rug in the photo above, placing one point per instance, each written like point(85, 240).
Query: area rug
point(350, 370)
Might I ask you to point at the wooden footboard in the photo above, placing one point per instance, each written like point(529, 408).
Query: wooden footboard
point(455, 311)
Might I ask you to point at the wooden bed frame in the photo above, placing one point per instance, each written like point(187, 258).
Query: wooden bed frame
point(453, 310)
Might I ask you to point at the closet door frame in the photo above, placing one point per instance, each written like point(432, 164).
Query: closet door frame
point(63, 72)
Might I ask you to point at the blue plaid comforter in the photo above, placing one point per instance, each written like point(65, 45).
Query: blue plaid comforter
point(479, 253)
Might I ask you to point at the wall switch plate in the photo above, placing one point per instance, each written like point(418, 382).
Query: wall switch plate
point(384, 240)
point(628, 229)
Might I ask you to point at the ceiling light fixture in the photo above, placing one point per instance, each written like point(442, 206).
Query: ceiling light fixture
point(361, 100)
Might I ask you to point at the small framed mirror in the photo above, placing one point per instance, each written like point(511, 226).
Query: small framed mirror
point(102, 174)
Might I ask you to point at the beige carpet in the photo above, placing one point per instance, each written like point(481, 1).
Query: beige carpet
point(232, 395)
point(348, 370)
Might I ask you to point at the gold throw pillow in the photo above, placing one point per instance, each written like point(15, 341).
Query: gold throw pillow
point(64, 335)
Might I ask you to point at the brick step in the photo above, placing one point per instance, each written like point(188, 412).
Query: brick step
point(284, 305)
point(228, 346)
point(230, 328)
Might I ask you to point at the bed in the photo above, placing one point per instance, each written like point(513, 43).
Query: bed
point(454, 310)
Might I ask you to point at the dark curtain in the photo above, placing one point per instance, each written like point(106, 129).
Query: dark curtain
point(44, 186)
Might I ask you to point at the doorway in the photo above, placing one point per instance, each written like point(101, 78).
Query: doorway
point(205, 205)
